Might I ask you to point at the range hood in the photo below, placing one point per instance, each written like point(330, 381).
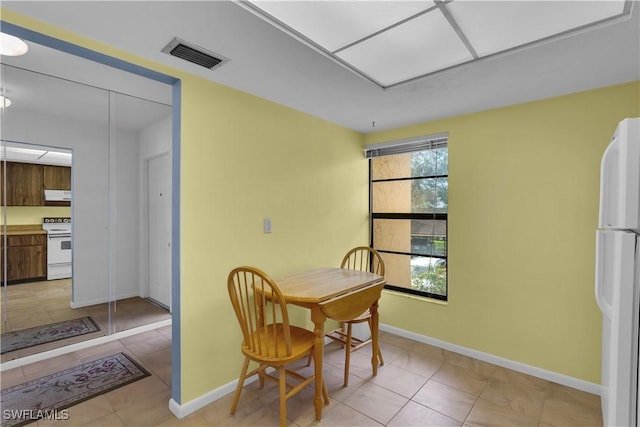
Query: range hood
point(57, 195)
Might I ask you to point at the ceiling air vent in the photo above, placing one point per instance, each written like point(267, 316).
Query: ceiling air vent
point(192, 53)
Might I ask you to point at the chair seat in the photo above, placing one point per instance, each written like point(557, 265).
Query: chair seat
point(301, 344)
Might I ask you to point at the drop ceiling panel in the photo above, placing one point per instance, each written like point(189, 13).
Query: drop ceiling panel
point(420, 46)
point(336, 24)
point(495, 26)
point(392, 42)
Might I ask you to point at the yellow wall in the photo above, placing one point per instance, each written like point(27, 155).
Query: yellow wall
point(523, 207)
point(244, 159)
point(34, 214)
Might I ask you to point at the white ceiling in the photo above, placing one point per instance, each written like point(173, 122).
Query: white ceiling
point(48, 82)
point(273, 64)
point(51, 82)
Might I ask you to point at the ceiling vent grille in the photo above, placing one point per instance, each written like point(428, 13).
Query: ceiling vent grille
point(192, 53)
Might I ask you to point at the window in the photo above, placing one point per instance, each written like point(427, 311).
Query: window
point(409, 188)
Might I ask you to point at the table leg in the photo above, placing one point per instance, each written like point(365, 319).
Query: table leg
point(318, 319)
point(374, 338)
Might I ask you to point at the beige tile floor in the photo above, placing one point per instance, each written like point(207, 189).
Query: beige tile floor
point(419, 385)
point(40, 303)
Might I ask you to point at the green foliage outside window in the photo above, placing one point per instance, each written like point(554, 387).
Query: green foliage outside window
point(432, 279)
point(429, 195)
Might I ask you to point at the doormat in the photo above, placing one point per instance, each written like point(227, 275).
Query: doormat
point(48, 397)
point(26, 338)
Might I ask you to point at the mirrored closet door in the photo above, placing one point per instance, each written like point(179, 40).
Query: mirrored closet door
point(76, 153)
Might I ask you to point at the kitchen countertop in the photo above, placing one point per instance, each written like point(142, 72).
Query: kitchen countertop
point(16, 230)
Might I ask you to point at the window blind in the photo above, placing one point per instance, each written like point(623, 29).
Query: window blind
point(409, 145)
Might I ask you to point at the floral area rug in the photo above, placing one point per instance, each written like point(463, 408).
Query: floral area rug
point(48, 397)
point(25, 338)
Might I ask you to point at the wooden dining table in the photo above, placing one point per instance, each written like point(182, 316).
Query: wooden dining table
point(336, 293)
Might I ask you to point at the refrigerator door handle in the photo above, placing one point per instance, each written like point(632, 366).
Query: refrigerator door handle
point(609, 186)
point(600, 258)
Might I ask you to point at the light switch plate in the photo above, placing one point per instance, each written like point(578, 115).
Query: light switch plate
point(267, 225)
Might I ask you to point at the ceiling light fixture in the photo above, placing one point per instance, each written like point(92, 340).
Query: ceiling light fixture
point(4, 102)
point(12, 45)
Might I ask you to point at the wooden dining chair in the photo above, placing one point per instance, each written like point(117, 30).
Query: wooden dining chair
point(366, 259)
point(267, 337)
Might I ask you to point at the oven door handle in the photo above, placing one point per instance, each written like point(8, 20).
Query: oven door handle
point(59, 236)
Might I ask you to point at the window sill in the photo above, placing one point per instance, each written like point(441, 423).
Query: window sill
point(416, 297)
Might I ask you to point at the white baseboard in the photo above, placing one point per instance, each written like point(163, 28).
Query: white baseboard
point(181, 411)
point(500, 361)
point(188, 408)
point(103, 300)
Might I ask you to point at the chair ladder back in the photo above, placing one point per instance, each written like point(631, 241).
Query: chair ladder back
point(261, 311)
point(364, 258)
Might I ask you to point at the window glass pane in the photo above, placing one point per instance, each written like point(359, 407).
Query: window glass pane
point(429, 245)
point(429, 275)
point(392, 235)
point(429, 237)
point(388, 167)
point(417, 236)
point(424, 195)
point(429, 195)
point(430, 162)
point(391, 196)
point(418, 273)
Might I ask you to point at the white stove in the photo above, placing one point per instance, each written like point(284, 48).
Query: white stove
point(58, 247)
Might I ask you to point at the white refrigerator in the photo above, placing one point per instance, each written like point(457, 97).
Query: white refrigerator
point(618, 274)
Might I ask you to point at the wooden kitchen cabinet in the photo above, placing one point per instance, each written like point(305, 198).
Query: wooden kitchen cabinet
point(24, 184)
point(56, 177)
point(26, 258)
